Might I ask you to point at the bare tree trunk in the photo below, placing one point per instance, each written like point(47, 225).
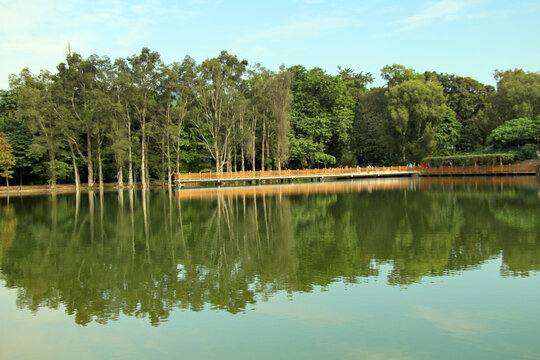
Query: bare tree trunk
point(143, 160)
point(147, 174)
point(169, 170)
point(235, 167)
point(253, 139)
point(120, 176)
point(219, 167)
point(53, 170)
point(75, 169)
point(100, 167)
point(89, 161)
point(268, 145)
point(278, 155)
point(130, 155)
point(243, 159)
point(262, 144)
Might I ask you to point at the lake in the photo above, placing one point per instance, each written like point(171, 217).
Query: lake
point(440, 268)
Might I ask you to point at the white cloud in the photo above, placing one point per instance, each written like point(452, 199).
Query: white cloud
point(441, 10)
point(459, 324)
point(35, 34)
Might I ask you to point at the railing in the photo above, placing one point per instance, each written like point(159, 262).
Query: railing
point(357, 170)
point(483, 169)
point(287, 173)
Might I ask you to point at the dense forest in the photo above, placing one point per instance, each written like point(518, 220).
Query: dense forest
point(136, 119)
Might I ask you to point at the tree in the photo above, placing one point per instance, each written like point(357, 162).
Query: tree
point(369, 126)
point(469, 139)
point(280, 96)
point(7, 159)
point(143, 76)
point(465, 96)
point(217, 85)
point(36, 107)
point(447, 133)
point(515, 132)
point(415, 110)
point(397, 74)
point(321, 118)
point(18, 135)
point(518, 96)
point(356, 82)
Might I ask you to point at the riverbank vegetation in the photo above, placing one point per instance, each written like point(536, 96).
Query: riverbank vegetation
point(138, 119)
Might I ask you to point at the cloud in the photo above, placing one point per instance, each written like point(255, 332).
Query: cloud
point(307, 28)
point(35, 34)
point(461, 325)
point(441, 10)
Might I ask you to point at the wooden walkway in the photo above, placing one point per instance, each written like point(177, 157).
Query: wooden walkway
point(322, 175)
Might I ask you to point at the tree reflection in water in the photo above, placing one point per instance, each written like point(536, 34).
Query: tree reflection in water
point(152, 252)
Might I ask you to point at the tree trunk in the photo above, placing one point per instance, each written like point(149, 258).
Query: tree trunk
point(130, 155)
point(143, 160)
point(100, 168)
point(169, 170)
point(53, 171)
point(268, 145)
point(243, 160)
point(120, 176)
point(89, 161)
point(75, 169)
point(262, 144)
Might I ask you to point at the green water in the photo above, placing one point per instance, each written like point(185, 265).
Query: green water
point(420, 270)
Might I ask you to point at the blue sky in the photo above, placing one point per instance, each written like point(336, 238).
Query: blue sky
point(463, 37)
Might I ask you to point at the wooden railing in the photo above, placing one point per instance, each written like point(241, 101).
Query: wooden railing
point(357, 170)
point(483, 169)
point(285, 173)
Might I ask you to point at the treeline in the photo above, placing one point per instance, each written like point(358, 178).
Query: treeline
point(137, 119)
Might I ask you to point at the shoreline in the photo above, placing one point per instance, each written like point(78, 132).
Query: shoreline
point(30, 190)
point(25, 190)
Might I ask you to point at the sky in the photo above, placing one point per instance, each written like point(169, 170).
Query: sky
point(461, 37)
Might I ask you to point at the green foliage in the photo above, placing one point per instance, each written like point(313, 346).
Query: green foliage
point(465, 96)
point(469, 139)
point(416, 109)
point(528, 151)
point(7, 160)
point(321, 118)
point(397, 74)
point(517, 96)
point(515, 132)
point(447, 133)
point(139, 117)
point(472, 159)
point(368, 129)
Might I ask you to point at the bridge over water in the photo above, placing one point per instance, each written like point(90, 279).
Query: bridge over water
point(279, 176)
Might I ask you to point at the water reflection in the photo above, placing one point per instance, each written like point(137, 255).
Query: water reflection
point(145, 254)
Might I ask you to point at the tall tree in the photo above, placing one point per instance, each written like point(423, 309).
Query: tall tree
point(447, 134)
point(369, 126)
point(517, 96)
point(144, 79)
point(397, 74)
point(415, 110)
point(217, 82)
point(280, 96)
point(35, 106)
point(321, 117)
point(7, 160)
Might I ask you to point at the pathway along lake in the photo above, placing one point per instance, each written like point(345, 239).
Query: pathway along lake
point(382, 269)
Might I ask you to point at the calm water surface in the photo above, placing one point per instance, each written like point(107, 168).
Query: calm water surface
point(384, 269)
